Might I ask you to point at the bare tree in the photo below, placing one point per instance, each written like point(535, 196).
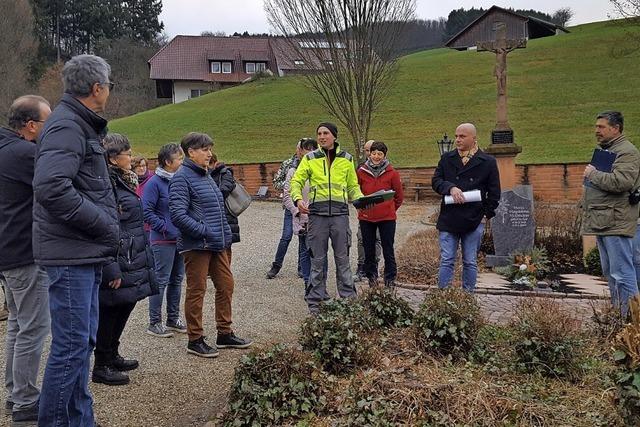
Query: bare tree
point(562, 16)
point(627, 8)
point(347, 48)
point(17, 49)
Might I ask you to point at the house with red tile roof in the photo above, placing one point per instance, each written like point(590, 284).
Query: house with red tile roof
point(190, 66)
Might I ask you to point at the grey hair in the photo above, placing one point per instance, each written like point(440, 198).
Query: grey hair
point(614, 118)
point(81, 72)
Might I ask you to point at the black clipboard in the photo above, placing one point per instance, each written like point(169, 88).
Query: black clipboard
point(603, 161)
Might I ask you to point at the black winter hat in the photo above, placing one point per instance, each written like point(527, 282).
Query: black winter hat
point(332, 128)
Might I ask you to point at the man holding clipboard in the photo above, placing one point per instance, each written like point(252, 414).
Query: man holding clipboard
point(609, 212)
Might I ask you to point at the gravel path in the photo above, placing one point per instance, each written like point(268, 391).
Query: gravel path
point(172, 388)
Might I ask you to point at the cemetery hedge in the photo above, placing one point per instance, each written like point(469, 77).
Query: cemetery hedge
point(556, 86)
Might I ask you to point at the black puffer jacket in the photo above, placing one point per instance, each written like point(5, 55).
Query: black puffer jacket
point(223, 176)
point(74, 211)
point(134, 264)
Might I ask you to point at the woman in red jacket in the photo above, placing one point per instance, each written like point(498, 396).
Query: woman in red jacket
point(374, 175)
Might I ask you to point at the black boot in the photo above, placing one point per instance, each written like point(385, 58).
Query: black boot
point(275, 269)
point(121, 364)
point(105, 374)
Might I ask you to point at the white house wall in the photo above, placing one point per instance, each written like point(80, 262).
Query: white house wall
point(182, 89)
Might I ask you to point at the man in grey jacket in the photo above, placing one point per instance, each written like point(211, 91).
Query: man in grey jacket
point(608, 212)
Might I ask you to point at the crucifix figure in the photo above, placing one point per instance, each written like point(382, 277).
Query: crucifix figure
point(501, 46)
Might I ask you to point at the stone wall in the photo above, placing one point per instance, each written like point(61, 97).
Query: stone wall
point(551, 182)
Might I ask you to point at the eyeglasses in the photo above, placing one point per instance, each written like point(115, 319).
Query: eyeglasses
point(124, 154)
point(110, 84)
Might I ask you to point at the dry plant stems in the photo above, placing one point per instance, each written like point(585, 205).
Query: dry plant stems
point(607, 321)
point(547, 338)
point(627, 355)
point(418, 259)
point(348, 47)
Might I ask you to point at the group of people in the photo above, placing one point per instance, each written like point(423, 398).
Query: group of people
point(88, 232)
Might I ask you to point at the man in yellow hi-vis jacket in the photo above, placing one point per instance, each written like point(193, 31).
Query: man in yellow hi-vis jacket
point(332, 184)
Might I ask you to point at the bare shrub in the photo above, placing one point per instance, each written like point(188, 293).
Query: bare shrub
point(547, 338)
point(418, 259)
point(558, 231)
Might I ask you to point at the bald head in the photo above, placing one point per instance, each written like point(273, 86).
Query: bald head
point(466, 137)
point(468, 128)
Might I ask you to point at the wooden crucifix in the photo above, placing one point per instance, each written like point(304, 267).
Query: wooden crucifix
point(501, 46)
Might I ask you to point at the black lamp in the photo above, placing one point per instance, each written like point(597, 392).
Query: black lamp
point(445, 145)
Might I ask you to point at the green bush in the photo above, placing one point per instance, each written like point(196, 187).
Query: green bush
point(339, 336)
point(448, 322)
point(387, 309)
point(277, 385)
point(592, 262)
point(546, 338)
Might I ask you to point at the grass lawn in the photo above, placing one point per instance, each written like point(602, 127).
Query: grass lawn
point(556, 87)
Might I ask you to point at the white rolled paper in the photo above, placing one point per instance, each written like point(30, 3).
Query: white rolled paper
point(469, 196)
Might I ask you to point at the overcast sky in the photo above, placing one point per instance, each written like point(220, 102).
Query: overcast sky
point(195, 16)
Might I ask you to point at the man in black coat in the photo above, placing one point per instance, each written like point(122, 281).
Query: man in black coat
point(75, 232)
point(464, 169)
point(26, 282)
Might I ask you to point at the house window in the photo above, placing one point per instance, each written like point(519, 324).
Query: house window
point(298, 62)
point(197, 92)
point(329, 62)
point(255, 67)
point(226, 67)
point(215, 67)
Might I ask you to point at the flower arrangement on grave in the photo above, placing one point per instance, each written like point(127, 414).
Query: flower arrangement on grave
point(528, 267)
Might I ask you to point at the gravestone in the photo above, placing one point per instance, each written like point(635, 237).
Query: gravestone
point(513, 228)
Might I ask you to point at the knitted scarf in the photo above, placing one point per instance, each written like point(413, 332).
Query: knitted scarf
point(377, 170)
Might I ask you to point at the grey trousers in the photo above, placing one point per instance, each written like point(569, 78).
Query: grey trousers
point(27, 294)
point(361, 249)
point(321, 229)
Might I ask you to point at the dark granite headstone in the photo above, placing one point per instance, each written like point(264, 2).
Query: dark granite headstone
point(513, 228)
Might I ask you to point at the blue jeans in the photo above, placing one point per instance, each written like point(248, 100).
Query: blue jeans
point(470, 243)
point(285, 239)
point(169, 274)
point(616, 257)
point(636, 254)
point(65, 399)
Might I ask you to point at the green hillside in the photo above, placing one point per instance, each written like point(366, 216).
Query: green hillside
point(556, 86)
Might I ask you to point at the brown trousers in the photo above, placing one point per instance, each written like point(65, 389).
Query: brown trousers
point(199, 265)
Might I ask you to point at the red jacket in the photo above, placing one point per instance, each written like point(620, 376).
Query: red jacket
point(389, 179)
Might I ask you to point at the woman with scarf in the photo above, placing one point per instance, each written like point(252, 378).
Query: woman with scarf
point(374, 175)
point(130, 277)
point(141, 167)
point(163, 237)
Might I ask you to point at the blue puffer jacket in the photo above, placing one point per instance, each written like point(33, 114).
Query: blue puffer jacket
point(155, 200)
point(197, 209)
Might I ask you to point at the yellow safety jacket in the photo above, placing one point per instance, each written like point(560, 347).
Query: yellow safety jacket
point(331, 185)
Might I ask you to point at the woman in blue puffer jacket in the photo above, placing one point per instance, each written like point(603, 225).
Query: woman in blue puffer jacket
point(197, 209)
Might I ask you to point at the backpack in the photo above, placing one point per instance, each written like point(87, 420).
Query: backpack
point(281, 175)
